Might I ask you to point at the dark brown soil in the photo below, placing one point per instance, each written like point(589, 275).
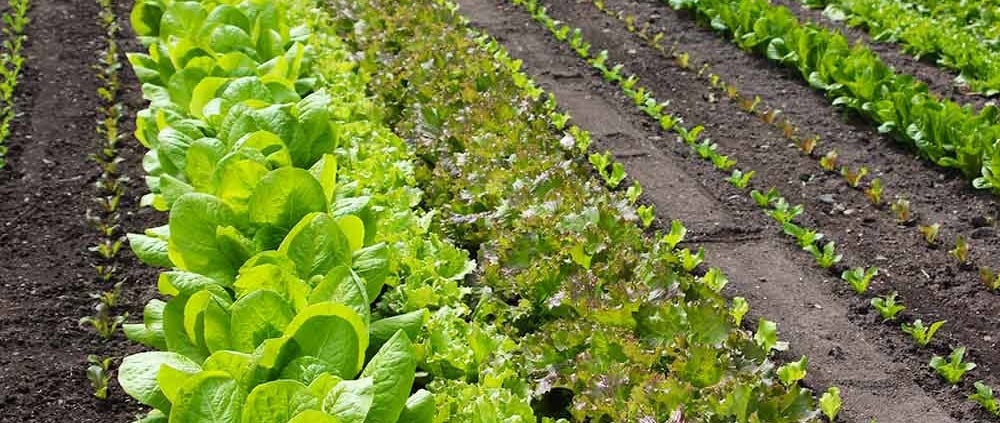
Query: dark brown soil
point(45, 268)
point(881, 373)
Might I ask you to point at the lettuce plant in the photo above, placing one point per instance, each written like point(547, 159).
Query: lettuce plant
point(985, 398)
point(99, 375)
point(952, 369)
point(859, 278)
point(633, 192)
point(646, 215)
point(930, 232)
point(791, 373)
point(764, 200)
point(961, 251)
point(803, 236)
point(922, 334)
point(901, 208)
point(989, 278)
point(853, 177)
point(887, 306)
point(676, 234)
point(103, 321)
point(784, 213)
point(829, 161)
point(825, 257)
point(830, 403)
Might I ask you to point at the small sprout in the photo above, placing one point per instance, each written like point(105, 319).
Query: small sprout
point(645, 215)
point(771, 116)
point(99, 373)
point(667, 122)
point(617, 175)
point(715, 280)
point(990, 279)
point(985, 398)
point(808, 145)
point(713, 81)
point(690, 137)
point(793, 372)
point(766, 337)
point(723, 162)
point(901, 208)
point(748, 105)
point(676, 235)
point(764, 200)
point(783, 213)
point(739, 179)
point(952, 369)
point(703, 70)
point(739, 309)
point(829, 161)
point(683, 60)
point(853, 178)
point(961, 251)
point(874, 192)
point(830, 403)
point(859, 278)
point(788, 130)
point(805, 237)
point(706, 149)
point(825, 257)
point(922, 334)
point(601, 163)
point(930, 232)
point(690, 261)
point(103, 322)
point(887, 306)
point(633, 192)
point(732, 92)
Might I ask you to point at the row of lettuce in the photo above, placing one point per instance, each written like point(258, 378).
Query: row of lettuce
point(856, 79)
point(311, 267)
point(948, 41)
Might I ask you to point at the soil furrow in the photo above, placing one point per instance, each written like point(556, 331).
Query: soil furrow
point(47, 187)
point(877, 376)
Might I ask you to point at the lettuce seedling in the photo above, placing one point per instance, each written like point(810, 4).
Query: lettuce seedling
point(859, 278)
point(103, 322)
point(887, 306)
point(645, 215)
point(109, 297)
point(990, 279)
point(874, 192)
point(764, 200)
point(853, 178)
point(952, 369)
point(782, 212)
point(690, 261)
point(901, 208)
point(748, 105)
point(771, 116)
point(825, 257)
point(676, 235)
point(805, 237)
point(829, 161)
point(930, 232)
point(706, 149)
point(689, 136)
point(766, 337)
point(634, 192)
point(601, 163)
point(985, 398)
point(922, 334)
point(683, 60)
point(668, 122)
point(739, 309)
point(722, 162)
point(793, 372)
point(830, 403)
point(961, 251)
point(715, 280)
point(99, 374)
point(617, 175)
point(739, 179)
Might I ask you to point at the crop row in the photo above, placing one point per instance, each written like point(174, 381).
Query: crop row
point(775, 206)
point(15, 20)
point(856, 79)
point(951, 44)
point(980, 18)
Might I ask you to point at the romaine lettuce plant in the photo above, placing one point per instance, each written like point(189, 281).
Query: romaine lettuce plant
point(952, 369)
point(825, 257)
point(830, 403)
point(985, 398)
point(922, 334)
point(874, 192)
point(887, 306)
point(859, 278)
point(989, 278)
point(930, 232)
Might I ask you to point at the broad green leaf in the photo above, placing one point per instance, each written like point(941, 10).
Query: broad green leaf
point(202, 158)
point(278, 402)
point(306, 369)
point(150, 250)
point(392, 370)
point(275, 278)
point(209, 397)
point(181, 19)
point(256, 317)
point(325, 171)
point(314, 416)
point(342, 286)
point(150, 331)
point(193, 245)
point(240, 366)
point(316, 245)
point(137, 375)
point(382, 330)
point(284, 197)
point(145, 17)
point(419, 408)
point(204, 92)
point(351, 400)
point(372, 264)
point(334, 333)
point(354, 230)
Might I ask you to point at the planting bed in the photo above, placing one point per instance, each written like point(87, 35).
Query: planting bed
point(371, 211)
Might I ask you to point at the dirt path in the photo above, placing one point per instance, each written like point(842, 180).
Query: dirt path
point(45, 191)
point(880, 374)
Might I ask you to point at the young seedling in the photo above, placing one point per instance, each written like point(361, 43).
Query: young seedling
point(783, 213)
point(952, 369)
point(990, 279)
point(930, 232)
point(722, 162)
point(645, 215)
point(715, 280)
point(690, 261)
point(617, 175)
point(961, 251)
point(706, 149)
point(110, 297)
point(683, 60)
point(825, 257)
point(739, 309)
point(829, 161)
point(750, 106)
point(852, 177)
point(985, 398)
point(901, 208)
point(859, 278)
point(739, 179)
point(887, 306)
point(793, 372)
point(676, 235)
point(788, 130)
point(99, 374)
point(771, 116)
point(805, 237)
point(103, 322)
point(830, 403)
point(634, 192)
point(764, 200)
point(689, 136)
point(874, 192)
point(922, 334)
point(601, 163)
